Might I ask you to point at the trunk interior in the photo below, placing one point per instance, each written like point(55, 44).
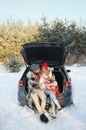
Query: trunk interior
point(59, 79)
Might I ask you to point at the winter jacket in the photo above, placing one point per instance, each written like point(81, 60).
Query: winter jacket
point(33, 80)
point(49, 83)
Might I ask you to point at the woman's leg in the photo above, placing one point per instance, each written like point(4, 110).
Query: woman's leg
point(58, 105)
point(53, 109)
point(53, 97)
point(48, 92)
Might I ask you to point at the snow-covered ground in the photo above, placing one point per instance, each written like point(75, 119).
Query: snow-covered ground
point(15, 117)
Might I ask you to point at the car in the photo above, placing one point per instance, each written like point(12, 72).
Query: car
point(55, 55)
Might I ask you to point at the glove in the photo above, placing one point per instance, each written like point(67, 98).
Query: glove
point(51, 81)
point(33, 79)
point(33, 85)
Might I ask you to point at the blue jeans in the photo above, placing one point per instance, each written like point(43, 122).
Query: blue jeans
point(52, 96)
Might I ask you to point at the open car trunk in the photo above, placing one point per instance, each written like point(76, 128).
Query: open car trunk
point(52, 53)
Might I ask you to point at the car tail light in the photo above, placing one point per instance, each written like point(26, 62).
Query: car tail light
point(67, 83)
point(20, 83)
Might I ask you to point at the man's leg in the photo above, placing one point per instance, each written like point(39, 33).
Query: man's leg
point(35, 99)
point(43, 99)
point(43, 117)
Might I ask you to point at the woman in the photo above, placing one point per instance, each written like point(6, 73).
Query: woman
point(49, 85)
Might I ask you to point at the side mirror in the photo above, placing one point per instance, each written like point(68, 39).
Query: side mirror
point(68, 71)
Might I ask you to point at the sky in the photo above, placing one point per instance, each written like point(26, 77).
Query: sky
point(33, 10)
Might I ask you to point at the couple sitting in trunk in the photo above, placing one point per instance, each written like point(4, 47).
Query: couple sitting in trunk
point(41, 82)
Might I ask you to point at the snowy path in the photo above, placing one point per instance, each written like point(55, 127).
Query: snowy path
point(15, 117)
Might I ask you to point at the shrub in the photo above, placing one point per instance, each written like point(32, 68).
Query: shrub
point(13, 63)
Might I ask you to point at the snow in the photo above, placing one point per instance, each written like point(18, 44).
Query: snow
point(15, 117)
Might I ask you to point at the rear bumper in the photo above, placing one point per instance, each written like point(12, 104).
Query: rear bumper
point(65, 100)
point(21, 96)
point(22, 102)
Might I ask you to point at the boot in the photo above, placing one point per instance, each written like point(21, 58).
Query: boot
point(44, 118)
point(58, 105)
point(53, 112)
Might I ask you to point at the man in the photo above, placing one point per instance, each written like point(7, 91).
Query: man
point(33, 77)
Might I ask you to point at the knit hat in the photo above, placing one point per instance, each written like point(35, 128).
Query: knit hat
point(34, 67)
point(45, 66)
